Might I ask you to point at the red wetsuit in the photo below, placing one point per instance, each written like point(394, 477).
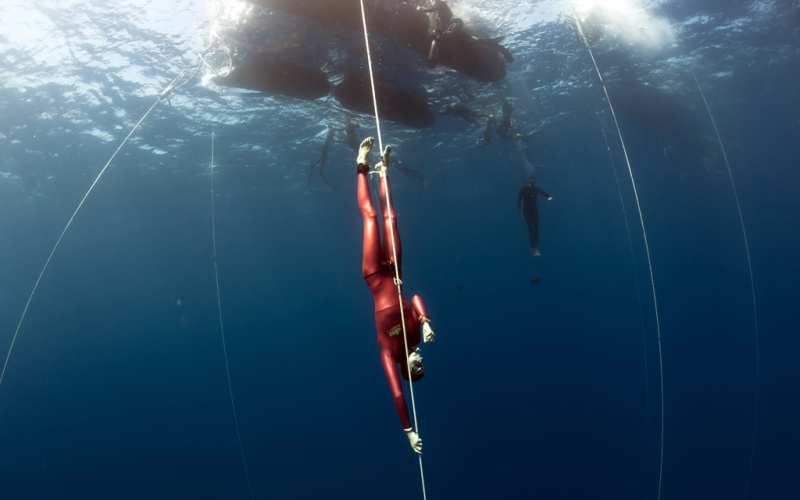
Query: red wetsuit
point(379, 275)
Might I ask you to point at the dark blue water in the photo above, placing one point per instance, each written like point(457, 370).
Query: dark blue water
point(117, 387)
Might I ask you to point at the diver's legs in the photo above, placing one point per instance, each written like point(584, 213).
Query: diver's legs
point(390, 230)
point(322, 168)
point(533, 231)
point(529, 223)
point(311, 171)
point(487, 132)
point(372, 252)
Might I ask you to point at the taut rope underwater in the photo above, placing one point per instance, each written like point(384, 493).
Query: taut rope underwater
point(164, 94)
point(391, 234)
point(752, 291)
point(646, 244)
point(222, 325)
point(638, 295)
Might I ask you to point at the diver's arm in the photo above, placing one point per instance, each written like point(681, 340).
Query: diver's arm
point(424, 321)
point(393, 377)
point(390, 368)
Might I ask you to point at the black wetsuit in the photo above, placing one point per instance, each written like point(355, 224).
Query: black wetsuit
point(402, 167)
point(442, 16)
point(527, 197)
point(323, 155)
point(504, 127)
point(487, 132)
point(351, 129)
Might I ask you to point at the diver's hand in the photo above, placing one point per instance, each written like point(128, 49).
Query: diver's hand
point(415, 363)
point(427, 334)
point(549, 198)
point(415, 441)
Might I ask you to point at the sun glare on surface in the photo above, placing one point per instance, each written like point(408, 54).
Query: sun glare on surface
point(626, 20)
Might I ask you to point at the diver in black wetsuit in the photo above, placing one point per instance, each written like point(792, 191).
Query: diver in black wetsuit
point(323, 155)
point(487, 132)
point(505, 129)
point(351, 131)
point(527, 197)
point(442, 16)
point(444, 24)
point(402, 167)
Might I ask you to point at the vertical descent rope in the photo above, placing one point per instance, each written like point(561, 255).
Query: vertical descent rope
point(752, 292)
point(646, 246)
point(162, 95)
point(222, 325)
point(638, 299)
point(371, 77)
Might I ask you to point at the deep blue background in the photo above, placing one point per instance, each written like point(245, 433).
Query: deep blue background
point(117, 387)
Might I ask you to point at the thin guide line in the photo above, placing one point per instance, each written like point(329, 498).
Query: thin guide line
point(646, 246)
point(161, 96)
point(752, 292)
point(222, 325)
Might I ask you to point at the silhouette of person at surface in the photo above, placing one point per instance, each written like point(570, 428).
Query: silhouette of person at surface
point(444, 25)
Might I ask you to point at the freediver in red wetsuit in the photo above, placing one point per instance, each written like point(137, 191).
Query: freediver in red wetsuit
point(379, 273)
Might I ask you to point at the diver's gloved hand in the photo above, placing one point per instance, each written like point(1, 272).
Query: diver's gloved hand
point(415, 362)
point(363, 151)
point(427, 334)
point(415, 441)
point(549, 198)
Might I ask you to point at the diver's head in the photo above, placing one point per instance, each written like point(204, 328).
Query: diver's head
point(417, 368)
point(415, 374)
point(531, 180)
